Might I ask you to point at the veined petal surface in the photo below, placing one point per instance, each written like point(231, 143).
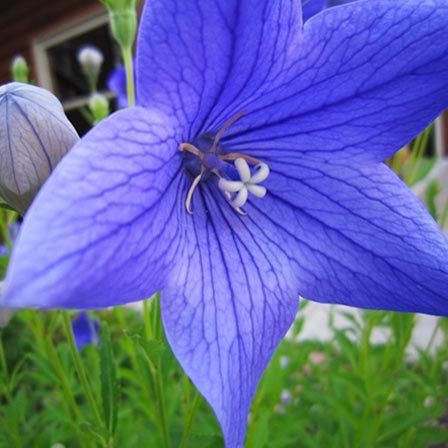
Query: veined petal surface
point(196, 58)
point(358, 236)
point(227, 305)
point(103, 230)
point(364, 79)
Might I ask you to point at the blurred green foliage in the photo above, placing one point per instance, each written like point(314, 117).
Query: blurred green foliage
point(348, 392)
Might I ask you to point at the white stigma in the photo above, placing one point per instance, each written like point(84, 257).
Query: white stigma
point(247, 183)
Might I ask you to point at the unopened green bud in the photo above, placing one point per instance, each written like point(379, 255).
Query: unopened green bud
point(123, 21)
point(19, 69)
point(99, 106)
point(124, 27)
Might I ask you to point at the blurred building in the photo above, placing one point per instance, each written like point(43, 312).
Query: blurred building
point(48, 33)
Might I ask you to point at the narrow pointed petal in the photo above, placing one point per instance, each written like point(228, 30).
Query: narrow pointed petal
point(365, 79)
point(103, 229)
point(198, 59)
point(358, 236)
point(227, 307)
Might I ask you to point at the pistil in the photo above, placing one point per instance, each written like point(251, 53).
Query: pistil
point(236, 191)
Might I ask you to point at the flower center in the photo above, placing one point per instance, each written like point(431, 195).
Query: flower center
point(208, 158)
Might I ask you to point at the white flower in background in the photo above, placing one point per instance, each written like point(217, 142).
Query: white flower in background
point(284, 362)
point(90, 58)
point(34, 136)
point(285, 397)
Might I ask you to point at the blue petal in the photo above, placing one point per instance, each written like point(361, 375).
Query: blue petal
point(85, 330)
point(358, 236)
point(34, 135)
point(365, 78)
point(98, 232)
point(227, 306)
point(196, 58)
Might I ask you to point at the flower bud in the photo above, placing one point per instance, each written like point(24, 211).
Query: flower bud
point(90, 58)
point(123, 21)
point(19, 69)
point(34, 135)
point(99, 106)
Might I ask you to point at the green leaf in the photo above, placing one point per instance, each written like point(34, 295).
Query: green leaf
point(109, 383)
point(96, 432)
point(152, 348)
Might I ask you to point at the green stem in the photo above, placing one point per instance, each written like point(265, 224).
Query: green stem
point(48, 350)
point(80, 368)
point(153, 328)
point(147, 318)
point(4, 232)
point(444, 215)
point(418, 150)
point(161, 404)
point(129, 66)
point(9, 397)
point(189, 422)
point(130, 348)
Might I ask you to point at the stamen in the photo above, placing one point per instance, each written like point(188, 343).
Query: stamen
point(236, 191)
point(191, 149)
point(238, 155)
point(222, 131)
point(195, 183)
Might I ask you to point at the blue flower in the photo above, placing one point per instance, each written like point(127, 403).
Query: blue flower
point(13, 230)
point(272, 134)
point(116, 83)
point(85, 330)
